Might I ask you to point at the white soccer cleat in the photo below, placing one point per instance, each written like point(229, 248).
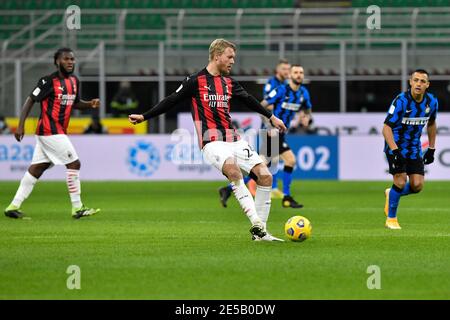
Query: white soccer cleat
point(266, 237)
point(78, 213)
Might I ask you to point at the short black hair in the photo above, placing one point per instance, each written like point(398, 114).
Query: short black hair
point(421, 71)
point(59, 52)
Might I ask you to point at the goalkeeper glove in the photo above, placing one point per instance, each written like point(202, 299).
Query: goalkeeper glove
point(399, 161)
point(428, 157)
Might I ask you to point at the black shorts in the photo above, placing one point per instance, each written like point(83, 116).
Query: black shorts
point(412, 166)
point(265, 146)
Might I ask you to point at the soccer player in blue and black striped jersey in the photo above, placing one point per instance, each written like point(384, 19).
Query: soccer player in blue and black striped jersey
point(281, 77)
point(407, 116)
point(286, 101)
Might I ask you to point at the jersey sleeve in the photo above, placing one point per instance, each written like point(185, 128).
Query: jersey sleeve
point(267, 88)
point(395, 112)
point(247, 99)
point(77, 97)
point(42, 89)
point(184, 91)
point(238, 90)
point(275, 95)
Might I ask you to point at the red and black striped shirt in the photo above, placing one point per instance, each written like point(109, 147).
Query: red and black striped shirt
point(210, 98)
point(57, 96)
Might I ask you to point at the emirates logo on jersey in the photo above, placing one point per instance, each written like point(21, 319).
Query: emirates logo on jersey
point(217, 100)
point(66, 99)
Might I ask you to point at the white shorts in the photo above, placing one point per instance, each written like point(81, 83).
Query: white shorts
point(216, 152)
point(56, 149)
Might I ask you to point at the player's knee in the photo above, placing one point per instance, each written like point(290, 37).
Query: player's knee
point(76, 165)
point(36, 170)
point(400, 183)
point(233, 174)
point(265, 179)
point(416, 187)
point(290, 162)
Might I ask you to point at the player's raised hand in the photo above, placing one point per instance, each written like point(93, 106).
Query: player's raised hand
point(277, 123)
point(19, 134)
point(136, 118)
point(95, 103)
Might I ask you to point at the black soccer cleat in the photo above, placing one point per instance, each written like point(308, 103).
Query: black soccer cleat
point(15, 214)
point(289, 202)
point(257, 232)
point(224, 193)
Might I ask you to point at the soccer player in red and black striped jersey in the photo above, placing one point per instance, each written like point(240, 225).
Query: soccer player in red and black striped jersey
point(57, 93)
point(210, 93)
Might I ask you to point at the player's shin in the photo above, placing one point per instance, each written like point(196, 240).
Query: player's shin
point(26, 186)
point(287, 180)
point(245, 199)
point(262, 203)
point(394, 198)
point(74, 187)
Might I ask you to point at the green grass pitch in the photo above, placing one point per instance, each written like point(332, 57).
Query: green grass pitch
point(173, 240)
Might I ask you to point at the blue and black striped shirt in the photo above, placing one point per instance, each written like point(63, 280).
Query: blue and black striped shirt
point(407, 118)
point(271, 84)
point(288, 102)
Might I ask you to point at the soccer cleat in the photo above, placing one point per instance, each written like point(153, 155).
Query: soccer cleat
point(276, 194)
point(267, 237)
point(13, 212)
point(251, 185)
point(257, 231)
point(289, 202)
point(392, 223)
point(224, 193)
point(78, 213)
point(386, 204)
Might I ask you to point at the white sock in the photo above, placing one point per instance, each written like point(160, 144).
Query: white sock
point(74, 187)
point(263, 202)
point(245, 199)
point(26, 186)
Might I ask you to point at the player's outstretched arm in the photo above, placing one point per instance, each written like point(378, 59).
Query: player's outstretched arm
point(165, 105)
point(136, 118)
point(185, 90)
point(26, 108)
point(91, 104)
point(254, 105)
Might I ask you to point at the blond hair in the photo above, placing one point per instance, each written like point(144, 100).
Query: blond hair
point(218, 46)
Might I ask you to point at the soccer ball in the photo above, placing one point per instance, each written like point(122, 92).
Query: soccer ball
point(298, 228)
